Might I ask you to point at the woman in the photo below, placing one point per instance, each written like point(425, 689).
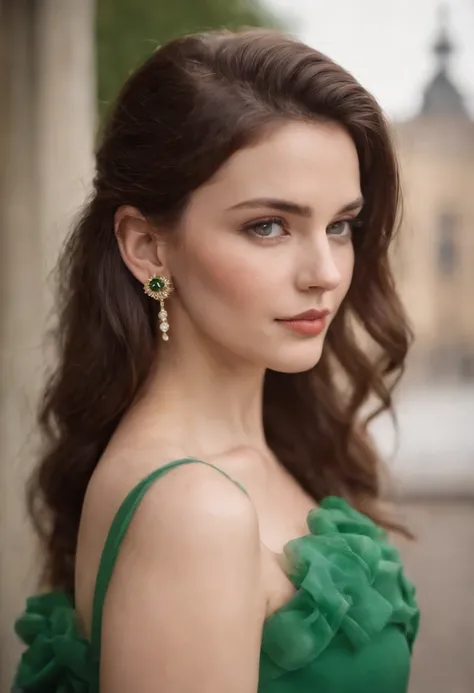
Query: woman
point(211, 375)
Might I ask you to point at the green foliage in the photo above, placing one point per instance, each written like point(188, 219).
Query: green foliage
point(129, 30)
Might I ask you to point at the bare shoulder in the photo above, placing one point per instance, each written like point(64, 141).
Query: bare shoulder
point(188, 572)
point(189, 501)
point(197, 502)
point(190, 513)
point(188, 489)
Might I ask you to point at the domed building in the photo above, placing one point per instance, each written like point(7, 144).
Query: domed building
point(435, 252)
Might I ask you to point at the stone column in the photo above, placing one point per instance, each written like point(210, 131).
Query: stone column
point(66, 116)
point(47, 92)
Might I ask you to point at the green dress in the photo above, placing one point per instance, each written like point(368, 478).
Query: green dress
point(349, 628)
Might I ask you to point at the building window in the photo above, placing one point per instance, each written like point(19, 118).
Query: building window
point(447, 246)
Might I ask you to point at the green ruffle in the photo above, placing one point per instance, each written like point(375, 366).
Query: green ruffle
point(349, 582)
point(57, 659)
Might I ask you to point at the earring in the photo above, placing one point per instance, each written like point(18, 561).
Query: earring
point(159, 288)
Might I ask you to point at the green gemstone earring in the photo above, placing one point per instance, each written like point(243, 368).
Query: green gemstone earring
point(159, 288)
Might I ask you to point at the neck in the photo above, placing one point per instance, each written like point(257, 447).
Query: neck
point(204, 399)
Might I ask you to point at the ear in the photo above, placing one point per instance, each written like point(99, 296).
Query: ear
point(139, 244)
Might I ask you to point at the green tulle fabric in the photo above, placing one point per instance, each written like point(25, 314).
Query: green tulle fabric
point(349, 628)
point(57, 659)
point(352, 623)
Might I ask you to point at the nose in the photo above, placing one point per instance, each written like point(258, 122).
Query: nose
point(318, 267)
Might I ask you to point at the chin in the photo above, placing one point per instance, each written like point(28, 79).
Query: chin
point(297, 360)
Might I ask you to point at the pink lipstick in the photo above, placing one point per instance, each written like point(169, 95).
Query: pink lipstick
point(311, 322)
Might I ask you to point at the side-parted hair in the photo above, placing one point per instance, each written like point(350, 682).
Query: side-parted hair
point(179, 117)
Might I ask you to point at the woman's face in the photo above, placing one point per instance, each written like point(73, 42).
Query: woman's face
point(268, 238)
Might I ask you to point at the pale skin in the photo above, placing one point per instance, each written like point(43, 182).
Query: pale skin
point(200, 568)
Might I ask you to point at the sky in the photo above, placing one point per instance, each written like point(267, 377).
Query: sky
point(386, 44)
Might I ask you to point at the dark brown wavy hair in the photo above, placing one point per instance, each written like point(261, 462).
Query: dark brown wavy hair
point(195, 102)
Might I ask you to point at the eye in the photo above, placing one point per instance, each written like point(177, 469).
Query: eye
point(267, 228)
point(343, 227)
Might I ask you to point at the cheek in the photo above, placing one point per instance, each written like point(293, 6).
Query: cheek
point(344, 260)
point(222, 275)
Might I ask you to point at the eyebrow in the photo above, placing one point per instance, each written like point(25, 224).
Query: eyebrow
point(293, 207)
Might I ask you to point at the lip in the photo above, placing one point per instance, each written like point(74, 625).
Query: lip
point(308, 315)
point(307, 327)
point(311, 322)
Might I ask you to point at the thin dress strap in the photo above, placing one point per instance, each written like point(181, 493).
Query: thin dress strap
point(116, 535)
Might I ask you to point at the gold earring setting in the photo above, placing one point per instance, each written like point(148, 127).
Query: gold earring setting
point(159, 288)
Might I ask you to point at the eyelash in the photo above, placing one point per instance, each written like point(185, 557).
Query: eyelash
point(263, 222)
point(353, 223)
point(251, 228)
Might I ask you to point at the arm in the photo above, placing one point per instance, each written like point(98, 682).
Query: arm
point(185, 606)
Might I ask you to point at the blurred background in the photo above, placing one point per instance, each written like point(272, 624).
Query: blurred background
point(61, 64)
